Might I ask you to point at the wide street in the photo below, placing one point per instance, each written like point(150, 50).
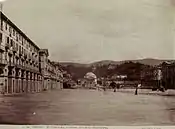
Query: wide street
point(87, 107)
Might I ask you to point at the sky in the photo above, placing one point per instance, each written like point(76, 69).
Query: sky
point(85, 31)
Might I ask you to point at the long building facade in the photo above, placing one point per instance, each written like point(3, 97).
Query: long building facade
point(168, 74)
point(24, 67)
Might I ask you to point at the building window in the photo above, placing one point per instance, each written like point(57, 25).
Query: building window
point(22, 41)
point(0, 37)
point(11, 42)
point(27, 45)
point(8, 40)
point(1, 24)
point(13, 32)
point(1, 55)
point(17, 37)
point(17, 46)
point(14, 44)
point(20, 48)
point(20, 37)
point(6, 26)
point(5, 56)
point(10, 30)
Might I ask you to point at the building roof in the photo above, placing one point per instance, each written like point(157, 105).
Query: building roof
point(18, 30)
point(44, 51)
point(90, 75)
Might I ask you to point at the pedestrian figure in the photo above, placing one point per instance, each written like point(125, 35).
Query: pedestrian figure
point(113, 85)
point(136, 91)
point(118, 86)
point(162, 89)
point(104, 88)
point(115, 89)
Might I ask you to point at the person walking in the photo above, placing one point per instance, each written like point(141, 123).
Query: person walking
point(104, 88)
point(113, 85)
point(138, 86)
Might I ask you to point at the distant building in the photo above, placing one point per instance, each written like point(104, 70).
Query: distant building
point(52, 77)
point(90, 79)
point(168, 75)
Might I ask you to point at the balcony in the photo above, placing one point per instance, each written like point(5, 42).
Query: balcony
point(2, 26)
point(20, 53)
point(11, 64)
point(19, 66)
point(29, 57)
point(10, 53)
point(25, 56)
point(36, 55)
point(16, 55)
point(7, 46)
point(3, 62)
point(22, 58)
point(14, 49)
point(2, 48)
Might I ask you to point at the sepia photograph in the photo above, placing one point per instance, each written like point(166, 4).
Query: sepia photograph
point(87, 62)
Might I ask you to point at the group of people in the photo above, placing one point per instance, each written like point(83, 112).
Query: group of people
point(116, 86)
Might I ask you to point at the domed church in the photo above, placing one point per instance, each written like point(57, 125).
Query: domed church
point(91, 79)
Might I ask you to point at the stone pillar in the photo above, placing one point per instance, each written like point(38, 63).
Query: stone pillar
point(22, 81)
point(19, 81)
point(2, 87)
point(4, 80)
point(31, 82)
point(16, 81)
point(41, 82)
point(37, 80)
point(36, 85)
point(11, 81)
point(31, 79)
point(28, 81)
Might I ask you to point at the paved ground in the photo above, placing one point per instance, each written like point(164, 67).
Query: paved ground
point(87, 107)
point(148, 92)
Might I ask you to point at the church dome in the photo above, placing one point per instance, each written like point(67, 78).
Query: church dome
point(90, 76)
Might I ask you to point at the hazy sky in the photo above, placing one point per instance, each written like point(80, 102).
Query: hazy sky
point(90, 30)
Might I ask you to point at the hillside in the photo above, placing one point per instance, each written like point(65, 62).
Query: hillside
point(109, 68)
point(147, 61)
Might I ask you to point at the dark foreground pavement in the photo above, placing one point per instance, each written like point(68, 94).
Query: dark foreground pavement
point(87, 107)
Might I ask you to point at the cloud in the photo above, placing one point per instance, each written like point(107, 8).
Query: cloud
point(88, 30)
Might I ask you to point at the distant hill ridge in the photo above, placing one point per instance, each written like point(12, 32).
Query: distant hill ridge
point(147, 61)
point(105, 68)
